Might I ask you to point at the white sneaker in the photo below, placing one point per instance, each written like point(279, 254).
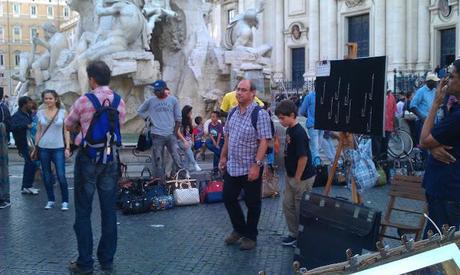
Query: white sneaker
point(49, 205)
point(26, 191)
point(65, 206)
point(197, 168)
point(33, 191)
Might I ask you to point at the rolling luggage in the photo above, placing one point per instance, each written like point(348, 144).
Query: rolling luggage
point(329, 226)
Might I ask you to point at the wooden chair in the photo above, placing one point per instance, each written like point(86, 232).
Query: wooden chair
point(409, 188)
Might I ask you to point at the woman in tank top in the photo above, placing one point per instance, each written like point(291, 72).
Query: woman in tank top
point(54, 144)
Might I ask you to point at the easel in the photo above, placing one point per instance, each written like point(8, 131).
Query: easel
point(345, 142)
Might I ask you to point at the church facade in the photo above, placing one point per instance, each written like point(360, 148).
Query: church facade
point(415, 35)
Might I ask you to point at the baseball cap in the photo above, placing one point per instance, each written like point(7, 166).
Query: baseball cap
point(159, 85)
point(432, 77)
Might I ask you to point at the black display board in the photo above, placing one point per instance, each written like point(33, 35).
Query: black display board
point(352, 97)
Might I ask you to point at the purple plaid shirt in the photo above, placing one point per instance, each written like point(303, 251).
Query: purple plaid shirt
point(243, 140)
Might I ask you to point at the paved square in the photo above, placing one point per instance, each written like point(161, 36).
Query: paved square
point(184, 240)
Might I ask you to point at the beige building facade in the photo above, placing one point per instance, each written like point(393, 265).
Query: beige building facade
point(415, 35)
point(20, 21)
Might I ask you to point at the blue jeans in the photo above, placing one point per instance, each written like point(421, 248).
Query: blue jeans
point(58, 158)
point(216, 151)
point(442, 212)
point(90, 177)
point(316, 137)
point(28, 173)
point(190, 161)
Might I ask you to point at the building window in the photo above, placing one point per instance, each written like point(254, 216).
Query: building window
point(33, 11)
point(358, 32)
point(2, 61)
point(447, 47)
point(16, 34)
point(2, 36)
point(33, 33)
point(16, 9)
point(50, 12)
point(17, 58)
point(298, 67)
point(66, 12)
point(231, 14)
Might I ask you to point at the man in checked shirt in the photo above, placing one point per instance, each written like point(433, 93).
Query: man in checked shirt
point(246, 142)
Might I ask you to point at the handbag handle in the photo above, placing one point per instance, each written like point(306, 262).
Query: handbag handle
point(146, 169)
point(176, 177)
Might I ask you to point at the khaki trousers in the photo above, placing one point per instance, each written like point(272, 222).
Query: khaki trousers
point(291, 201)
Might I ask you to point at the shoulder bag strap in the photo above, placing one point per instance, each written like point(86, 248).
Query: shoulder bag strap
point(47, 127)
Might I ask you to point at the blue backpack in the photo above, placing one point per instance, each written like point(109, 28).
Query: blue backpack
point(104, 130)
point(254, 118)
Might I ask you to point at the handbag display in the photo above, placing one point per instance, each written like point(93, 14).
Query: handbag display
point(34, 153)
point(143, 194)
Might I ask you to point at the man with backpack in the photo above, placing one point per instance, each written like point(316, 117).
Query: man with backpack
point(247, 133)
point(97, 115)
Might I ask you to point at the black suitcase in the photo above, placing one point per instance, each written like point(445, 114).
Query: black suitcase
point(329, 226)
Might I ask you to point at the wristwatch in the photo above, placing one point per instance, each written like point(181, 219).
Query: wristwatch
point(259, 163)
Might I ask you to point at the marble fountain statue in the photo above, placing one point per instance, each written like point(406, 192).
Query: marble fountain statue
point(141, 41)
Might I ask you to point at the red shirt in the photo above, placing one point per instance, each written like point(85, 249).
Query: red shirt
point(390, 112)
point(82, 111)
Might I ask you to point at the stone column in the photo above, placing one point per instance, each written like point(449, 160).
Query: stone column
point(278, 64)
point(458, 36)
point(423, 36)
point(411, 42)
point(396, 33)
point(332, 29)
point(379, 33)
point(313, 39)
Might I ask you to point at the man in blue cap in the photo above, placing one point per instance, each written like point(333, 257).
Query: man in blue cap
point(164, 112)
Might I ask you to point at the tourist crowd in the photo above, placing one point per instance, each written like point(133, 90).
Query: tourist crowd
point(239, 136)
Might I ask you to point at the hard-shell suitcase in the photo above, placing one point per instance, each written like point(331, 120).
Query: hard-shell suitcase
point(329, 226)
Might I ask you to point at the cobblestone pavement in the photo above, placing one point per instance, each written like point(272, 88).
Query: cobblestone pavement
point(184, 240)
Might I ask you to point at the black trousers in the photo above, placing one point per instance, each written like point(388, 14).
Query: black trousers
point(253, 199)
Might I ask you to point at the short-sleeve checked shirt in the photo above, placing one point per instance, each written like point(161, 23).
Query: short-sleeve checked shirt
point(82, 111)
point(243, 139)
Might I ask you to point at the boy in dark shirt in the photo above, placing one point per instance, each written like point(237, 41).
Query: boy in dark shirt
point(298, 164)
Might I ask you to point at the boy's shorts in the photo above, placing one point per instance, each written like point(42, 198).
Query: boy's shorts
point(198, 144)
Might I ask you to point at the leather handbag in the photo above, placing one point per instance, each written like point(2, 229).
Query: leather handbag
point(270, 183)
point(144, 142)
point(185, 191)
point(162, 202)
point(185, 194)
point(213, 192)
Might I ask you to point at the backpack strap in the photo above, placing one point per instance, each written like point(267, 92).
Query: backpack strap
point(232, 111)
point(116, 100)
point(254, 115)
point(94, 100)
